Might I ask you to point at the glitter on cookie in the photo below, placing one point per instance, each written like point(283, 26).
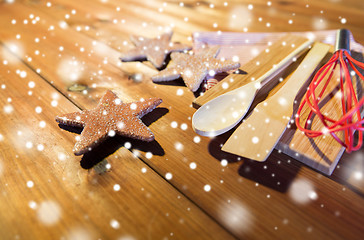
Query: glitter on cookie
point(194, 68)
point(154, 50)
point(110, 117)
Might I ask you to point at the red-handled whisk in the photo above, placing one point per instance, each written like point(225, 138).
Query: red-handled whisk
point(350, 120)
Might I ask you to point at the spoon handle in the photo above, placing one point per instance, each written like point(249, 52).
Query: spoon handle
point(283, 64)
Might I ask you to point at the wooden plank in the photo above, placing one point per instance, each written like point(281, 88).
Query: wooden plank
point(252, 201)
point(49, 195)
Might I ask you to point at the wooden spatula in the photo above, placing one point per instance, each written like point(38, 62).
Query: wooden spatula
point(256, 137)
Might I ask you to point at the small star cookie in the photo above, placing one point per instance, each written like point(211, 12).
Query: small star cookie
point(110, 117)
point(154, 50)
point(194, 68)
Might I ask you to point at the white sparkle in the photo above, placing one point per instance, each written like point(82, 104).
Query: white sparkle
point(38, 109)
point(255, 140)
point(61, 156)
point(282, 101)
point(117, 101)
point(120, 125)
point(149, 155)
point(224, 162)
point(32, 205)
point(8, 108)
point(187, 73)
point(184, 126)
point(225, 85)
point(169, 176)
point(30, 184)
point(207, 188)
point(49, 213)
point(54, 103)
point(133, 106)
point(116, 187)
point(325, 130)
point(114, 224)
point(23, 74)
point(40, 147)
point(127, 145)
point(212, 73)
point(180, 92)
point(358, 175)
point(312, 195)
point(197, 139)
point(302, 191)
point(178, 146)
point(174, 124)
point(29, 145)
point(111, 133)
point(193, 165)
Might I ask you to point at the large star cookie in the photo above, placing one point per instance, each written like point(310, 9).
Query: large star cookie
point(110, 117)
point(194, 68)
point(154, 50)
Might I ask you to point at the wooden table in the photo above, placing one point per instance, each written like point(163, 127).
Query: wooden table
point(60, 56)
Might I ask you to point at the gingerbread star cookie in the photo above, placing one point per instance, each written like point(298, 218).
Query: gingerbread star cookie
point(110, 117)
point(154, 50)
point(194, 68)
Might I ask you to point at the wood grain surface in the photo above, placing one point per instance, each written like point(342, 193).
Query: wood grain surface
point(61, 56)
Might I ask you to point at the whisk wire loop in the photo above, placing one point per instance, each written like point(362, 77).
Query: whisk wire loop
point(350, 121)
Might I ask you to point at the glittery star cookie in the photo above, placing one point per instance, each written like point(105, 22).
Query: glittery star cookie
point(194, 68)
point(110, 117)
point(154, 50)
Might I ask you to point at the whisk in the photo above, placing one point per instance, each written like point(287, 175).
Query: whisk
point(350, 121)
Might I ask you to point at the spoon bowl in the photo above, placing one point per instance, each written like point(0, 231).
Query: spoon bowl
point(214, 118)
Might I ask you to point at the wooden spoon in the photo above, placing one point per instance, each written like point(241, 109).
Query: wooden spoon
point(222, 113)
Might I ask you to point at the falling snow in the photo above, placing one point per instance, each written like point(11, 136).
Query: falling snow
point(302, 191)
point(30, 184)
point(116, 187)
point(149, 155)
point(224, 162)
point(127, 145)
point(179, 146)
point(207, 188)
point(33, 205)
point(197, 139)
point(114, 224)
point(174, 124)
point(235, 214)
point(49, 213)
point(169, 176)
point(79, 233)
